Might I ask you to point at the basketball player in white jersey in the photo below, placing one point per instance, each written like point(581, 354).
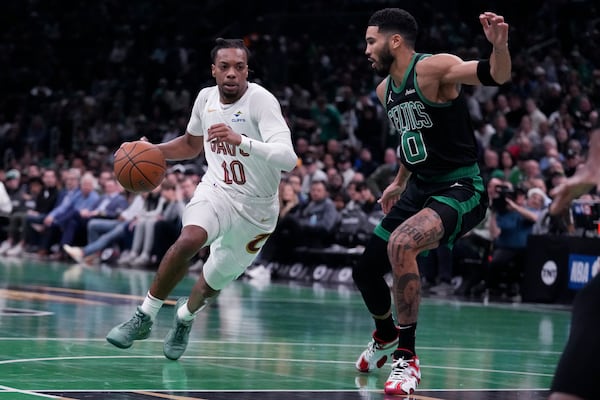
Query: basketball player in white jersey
point(247, 143)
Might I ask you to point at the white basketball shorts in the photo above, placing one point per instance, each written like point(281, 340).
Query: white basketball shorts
point(237, 227)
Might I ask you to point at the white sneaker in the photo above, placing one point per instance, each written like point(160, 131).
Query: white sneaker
point(126, 257)
point(405, 376)
point(442, 289)
point(140, 261)
point(260, 272)
point(7, 244)
point(76, 253)
point(15, 251)
point(376, 354)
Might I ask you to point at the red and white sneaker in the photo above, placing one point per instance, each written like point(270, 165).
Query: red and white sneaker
point(376, 354)
point(405, 376)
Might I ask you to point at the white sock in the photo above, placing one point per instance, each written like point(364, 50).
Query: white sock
point(184, 314)
point(151, 305)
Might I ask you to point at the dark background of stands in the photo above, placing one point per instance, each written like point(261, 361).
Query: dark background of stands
point(76, 76)
point(65, 45)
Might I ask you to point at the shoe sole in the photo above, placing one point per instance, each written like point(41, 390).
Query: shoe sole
point(177, 305)
point(165, 351)
point(173, 358)
point(398, 392)
point(378, 365)
point(118, 344)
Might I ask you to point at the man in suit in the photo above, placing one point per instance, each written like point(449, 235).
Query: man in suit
point(108, 206)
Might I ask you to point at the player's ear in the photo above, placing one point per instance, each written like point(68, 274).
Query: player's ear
point(396, 40)
point(212, 70)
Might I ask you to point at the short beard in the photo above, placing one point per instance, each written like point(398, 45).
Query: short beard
point(386, 59)
point(229, 97)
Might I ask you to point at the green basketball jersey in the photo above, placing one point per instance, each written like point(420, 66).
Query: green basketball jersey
point(434, 138)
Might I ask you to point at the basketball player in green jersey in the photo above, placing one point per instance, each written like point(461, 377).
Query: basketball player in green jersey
point(438, 193)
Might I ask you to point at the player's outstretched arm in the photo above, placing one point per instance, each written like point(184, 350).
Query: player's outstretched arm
point(585, 178)
point(450, 69)
point(496, 32)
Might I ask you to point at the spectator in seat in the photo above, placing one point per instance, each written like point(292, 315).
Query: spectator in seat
point(109, 206)
point(490, 164)
point(8, 195)
point(383, 174)
point(313, 173)
point(45, 201)
point(365, 163)
point(316, 220)
point(102, 233)
point(23, 202)
point(471, 252)
point(168, 227)
point(503, 133)
point(513, 217)
point(288, 199)
point(311, 224)
point(344, 165)
point(352, 229)
point(167, 208)
point(296, 183)
point(59, 223)
point(327, 117)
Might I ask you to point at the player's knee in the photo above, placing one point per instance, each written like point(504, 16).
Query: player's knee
point(401, 247)
point(373, 263)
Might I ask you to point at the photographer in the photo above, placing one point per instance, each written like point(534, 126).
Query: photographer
point(513, 214)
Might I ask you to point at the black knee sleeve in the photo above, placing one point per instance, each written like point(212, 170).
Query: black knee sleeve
point(368, 275)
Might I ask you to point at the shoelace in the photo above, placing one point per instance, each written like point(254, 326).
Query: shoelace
point(372, 347)
point(398, 368)
point(135, 322)
point(181, 331)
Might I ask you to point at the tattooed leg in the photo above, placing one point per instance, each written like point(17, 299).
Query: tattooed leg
point(422, 231)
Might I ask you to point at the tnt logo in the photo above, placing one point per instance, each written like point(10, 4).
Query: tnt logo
point(549, 273)
point(581, 269)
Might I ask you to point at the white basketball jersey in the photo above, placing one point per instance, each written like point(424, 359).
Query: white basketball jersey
point(257, 115)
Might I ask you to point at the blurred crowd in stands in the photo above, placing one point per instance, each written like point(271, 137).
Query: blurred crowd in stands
point(80, 78)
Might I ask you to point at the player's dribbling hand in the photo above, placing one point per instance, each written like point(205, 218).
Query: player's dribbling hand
point(223, 133)
point(495, 29)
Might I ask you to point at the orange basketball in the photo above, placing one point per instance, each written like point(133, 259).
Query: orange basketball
point(139, 166)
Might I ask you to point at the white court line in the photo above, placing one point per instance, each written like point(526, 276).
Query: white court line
point(305, 344)
point(290, 360)
point(27, 392)
point(276, 390)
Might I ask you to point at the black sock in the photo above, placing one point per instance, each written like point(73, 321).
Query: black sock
point(407, 337)
point(386, 329)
